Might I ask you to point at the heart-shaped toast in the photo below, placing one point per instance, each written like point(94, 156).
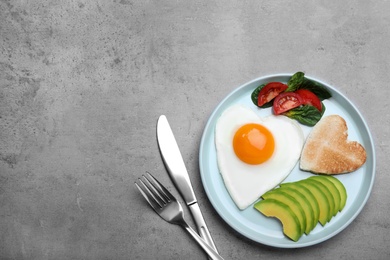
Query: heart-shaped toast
point(328, 151)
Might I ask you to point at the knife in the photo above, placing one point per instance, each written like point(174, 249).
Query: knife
point(177, 170)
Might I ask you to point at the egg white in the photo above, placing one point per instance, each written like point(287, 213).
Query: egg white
point(244, 182)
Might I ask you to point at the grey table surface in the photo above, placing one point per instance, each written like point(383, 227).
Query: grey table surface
point(82, 84)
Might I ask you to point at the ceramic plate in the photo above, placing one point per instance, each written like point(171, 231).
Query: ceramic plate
point(252, 224)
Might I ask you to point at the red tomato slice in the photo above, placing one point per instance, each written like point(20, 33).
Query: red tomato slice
point(269, 92)
point(309, 98)
point(286, 101)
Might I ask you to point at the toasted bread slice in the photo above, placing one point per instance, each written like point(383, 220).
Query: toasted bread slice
point(328, 151)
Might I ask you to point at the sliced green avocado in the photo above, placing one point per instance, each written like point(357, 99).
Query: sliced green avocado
point(323, 204)
point(342, 190)
point(328, 195)
point(290, 222)
point(290, 201)
point(307, 201)
point(332, 188)
point(305, 204)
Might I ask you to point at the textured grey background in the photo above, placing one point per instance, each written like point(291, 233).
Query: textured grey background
point(82, 84)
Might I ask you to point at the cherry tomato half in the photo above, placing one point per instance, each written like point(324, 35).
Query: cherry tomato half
point(269, 92)
point(286, 101)
point(309, 98)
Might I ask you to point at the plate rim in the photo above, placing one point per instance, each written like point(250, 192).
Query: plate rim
point(212, 118)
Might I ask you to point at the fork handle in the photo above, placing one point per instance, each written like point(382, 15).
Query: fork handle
point(210, 251)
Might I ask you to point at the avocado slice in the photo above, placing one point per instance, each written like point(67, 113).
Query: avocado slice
point(342, 190)
point(308, 196)
point(290, 201)
point(323, 204)
point(302, 204)
point(290, 222)
point(327, 193)
point(306, 206)
point(332, 188)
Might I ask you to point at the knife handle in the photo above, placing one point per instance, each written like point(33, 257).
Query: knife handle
point(213, 255)
point(201, 225)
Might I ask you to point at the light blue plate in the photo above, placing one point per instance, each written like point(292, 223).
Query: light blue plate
point(252, 224)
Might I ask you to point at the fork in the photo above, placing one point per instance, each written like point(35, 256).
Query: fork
point(166, 205)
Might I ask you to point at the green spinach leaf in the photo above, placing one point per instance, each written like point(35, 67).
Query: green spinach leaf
point(306, 114)
point(317, 88)
point(323, 108)
point(295, 81)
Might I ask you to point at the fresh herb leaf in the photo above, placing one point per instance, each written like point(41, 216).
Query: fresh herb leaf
point(323, 108)
point(295, 81)
point(317, 88)
point(255, 96)
point(306, 114)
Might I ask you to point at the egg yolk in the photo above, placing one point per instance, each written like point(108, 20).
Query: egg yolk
point(253, 143)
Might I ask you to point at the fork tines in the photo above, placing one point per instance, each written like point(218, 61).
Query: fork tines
point(153, 191)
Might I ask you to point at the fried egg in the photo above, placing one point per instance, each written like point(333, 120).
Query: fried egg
point(255, 154)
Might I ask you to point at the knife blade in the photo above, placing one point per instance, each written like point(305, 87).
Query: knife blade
point(176, 168)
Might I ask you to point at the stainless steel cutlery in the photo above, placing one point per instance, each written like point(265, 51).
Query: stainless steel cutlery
point(163, 202)
point(166, 205)
point(174, 163)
